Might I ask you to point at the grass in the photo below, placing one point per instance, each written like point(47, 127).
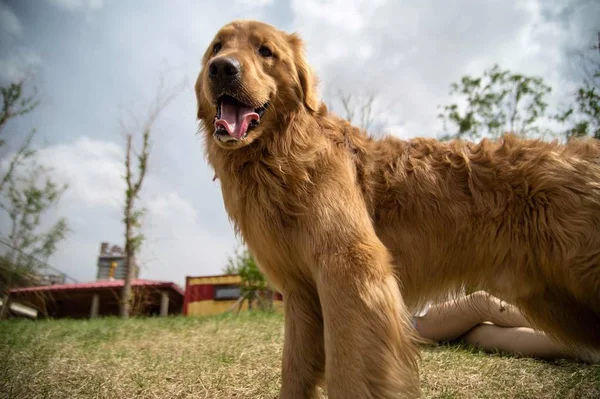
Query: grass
point(233, 357)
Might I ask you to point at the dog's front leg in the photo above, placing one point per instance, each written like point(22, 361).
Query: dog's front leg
point(303, 351)
point(369, 345)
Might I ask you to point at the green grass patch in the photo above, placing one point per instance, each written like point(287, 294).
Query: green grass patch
point(233, 357)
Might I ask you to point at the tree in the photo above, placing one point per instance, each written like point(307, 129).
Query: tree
point(254, 285)
point(132, 214)
point(496, 102)
point(358, 109)
point(583, 117)
point(15, 104)
point(26, 187)
point(27, 192)
point(27, 197)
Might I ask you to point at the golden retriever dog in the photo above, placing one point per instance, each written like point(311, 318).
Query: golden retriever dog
point(357, 233)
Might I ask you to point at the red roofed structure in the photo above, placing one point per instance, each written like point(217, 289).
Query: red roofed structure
point(101, 298)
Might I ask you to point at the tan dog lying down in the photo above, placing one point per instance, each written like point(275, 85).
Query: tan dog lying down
point(355, 232)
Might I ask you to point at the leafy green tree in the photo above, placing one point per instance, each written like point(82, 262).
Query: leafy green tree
point(583, 117)
point(15, 103)
point(497, 102)
point(27, 193)
point(27, 198)
point(254, 285)
point(26, 187)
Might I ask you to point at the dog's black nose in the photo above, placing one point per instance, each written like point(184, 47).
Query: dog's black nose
point(223, 70)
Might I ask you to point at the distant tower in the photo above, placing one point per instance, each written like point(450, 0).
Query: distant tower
point(111, 263)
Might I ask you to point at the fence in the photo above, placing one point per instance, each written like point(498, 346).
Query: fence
point(31, 270)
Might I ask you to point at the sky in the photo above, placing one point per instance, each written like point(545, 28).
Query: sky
point(97, 65)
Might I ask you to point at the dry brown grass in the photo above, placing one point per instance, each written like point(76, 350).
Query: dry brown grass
point(228, 357)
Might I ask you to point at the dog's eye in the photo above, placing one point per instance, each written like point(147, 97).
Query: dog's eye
point(265, 51)
point(217, 47)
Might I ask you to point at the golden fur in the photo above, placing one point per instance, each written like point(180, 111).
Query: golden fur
point(357, 232)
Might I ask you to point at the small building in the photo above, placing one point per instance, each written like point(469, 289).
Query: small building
point(211, 295)
point(111, 263)
point(100, 298)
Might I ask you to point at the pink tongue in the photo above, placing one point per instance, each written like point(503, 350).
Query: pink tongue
point(235, 119)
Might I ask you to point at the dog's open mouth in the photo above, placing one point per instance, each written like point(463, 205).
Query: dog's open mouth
point(235, 119)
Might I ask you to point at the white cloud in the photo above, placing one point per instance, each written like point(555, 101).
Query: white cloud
point(255, 3)
point(344, 15)
point(9, 22)
point(177, 242)
point(73, 5)
point(18, 65)
point(162, 207)
point(16, 60)
point(409, 52)
point(93, 168)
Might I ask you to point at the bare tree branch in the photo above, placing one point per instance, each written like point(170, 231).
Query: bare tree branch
point(134, 184)
point(359, 109)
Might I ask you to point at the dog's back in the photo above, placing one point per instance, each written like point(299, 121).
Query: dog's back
point(518, 218)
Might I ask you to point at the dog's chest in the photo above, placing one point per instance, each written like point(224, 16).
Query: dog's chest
point(265, 223)
point(258, 208)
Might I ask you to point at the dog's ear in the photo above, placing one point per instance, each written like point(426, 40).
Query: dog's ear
point(305, 75)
